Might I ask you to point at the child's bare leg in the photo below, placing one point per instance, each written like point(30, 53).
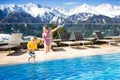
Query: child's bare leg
point(45, 48)
point(34, 58)
point(49, 47)
point(29, 59)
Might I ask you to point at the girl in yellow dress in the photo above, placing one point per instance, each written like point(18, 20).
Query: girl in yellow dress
point(32, 46)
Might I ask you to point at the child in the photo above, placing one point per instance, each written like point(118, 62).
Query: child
point(47, 37)
point(32, 45)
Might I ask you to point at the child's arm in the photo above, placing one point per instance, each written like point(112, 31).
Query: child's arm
point(57, 28)
point(40, 41)
point(43, 37)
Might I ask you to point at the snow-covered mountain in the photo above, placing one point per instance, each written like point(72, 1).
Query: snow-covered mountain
point(83, 9)
point(103, 9)
point(37, 13)
point(32, 9)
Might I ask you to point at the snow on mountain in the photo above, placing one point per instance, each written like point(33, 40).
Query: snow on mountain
point(59, 14)
point(62, 10)
point(103, 9)
point(32, 9)
point(83, 9)
point(10, 8)
point(108, 10)
point(79, 17)
point(38, 10)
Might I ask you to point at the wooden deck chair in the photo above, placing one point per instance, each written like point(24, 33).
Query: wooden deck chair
point(101, 38)
point(53, 44)
point(80, 39)
point(64, 36)
point(13, 42)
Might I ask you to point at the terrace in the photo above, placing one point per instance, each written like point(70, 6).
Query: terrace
point(61, 51)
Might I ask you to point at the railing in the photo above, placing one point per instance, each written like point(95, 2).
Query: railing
point(89, 29)
point(35, 29)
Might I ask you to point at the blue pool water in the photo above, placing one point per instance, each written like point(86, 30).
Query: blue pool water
point(102, 67)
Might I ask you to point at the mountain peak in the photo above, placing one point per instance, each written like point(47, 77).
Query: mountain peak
point(60, 12)
point(85, 5)
point(108, 10)
point(85, 8)
point(39, 6)
point(106, 5)
point(62, 8)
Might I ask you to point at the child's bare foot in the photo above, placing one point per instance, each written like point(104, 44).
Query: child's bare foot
point(45, 52)
point(34, 62)
point(28, 59)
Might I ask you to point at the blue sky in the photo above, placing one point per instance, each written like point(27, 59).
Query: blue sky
point(67, 3)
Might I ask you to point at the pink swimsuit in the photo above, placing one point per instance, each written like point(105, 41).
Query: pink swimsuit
point(47, 37)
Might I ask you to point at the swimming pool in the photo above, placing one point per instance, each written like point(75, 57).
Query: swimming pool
point(101, 67)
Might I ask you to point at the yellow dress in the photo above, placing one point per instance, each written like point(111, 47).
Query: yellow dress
point(32, 46)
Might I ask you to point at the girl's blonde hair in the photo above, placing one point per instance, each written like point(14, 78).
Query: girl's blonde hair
point(46, 27)
point(33, 38)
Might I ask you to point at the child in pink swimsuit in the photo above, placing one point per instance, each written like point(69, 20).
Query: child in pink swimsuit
point(47, 37)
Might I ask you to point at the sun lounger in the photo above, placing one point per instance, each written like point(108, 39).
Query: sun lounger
point(53, 44)
point(79, 38)
point(64, 36)
point(101, 38)
point(13, 42)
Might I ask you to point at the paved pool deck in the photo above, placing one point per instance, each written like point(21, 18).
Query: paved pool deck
point(58, 53)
